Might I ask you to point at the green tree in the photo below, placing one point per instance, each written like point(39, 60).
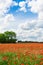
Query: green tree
point(10, 36)
point(2, 38)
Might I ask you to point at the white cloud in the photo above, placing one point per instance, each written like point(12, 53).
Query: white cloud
point(14, 3)
point(23, 9)
point(28, 25)
point(31, 30)
point(7, 23)
point(5, 6)
point(36, 5)
point(40, 15)
point(22, 5)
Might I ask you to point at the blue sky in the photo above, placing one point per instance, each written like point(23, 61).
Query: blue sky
point(25, 17)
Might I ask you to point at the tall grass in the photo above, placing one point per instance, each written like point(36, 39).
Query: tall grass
point(10, 58)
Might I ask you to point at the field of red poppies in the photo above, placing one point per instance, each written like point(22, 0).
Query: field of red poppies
point(21, 54)
point(22, 47)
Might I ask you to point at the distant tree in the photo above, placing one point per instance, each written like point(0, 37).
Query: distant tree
point(10, 36)
point(2, 38)
point(19, 41)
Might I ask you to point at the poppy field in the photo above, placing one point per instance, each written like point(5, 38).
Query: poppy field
point(21, 54)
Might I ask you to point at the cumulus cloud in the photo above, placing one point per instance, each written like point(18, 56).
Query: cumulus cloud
point(14, 3)
point(5, 6)
point(22, 6)
point(28, 25)
point(22, 3)
point(40, 15)
point(31, 31)
point(36, 5)
point(7, 22)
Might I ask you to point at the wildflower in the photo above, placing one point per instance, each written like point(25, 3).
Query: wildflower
point(41, 59)
point(22, 64)
point(41, 63)
point(5, 58)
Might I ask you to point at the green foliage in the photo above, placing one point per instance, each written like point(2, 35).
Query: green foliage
point(2, 38)
point(8, 37)
point(13, 59)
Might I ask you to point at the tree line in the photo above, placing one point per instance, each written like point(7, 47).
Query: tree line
point(8, 37)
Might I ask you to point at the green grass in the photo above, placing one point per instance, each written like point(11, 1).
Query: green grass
point(10, 58)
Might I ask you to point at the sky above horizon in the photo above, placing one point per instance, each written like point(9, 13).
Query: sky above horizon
point(25, 17)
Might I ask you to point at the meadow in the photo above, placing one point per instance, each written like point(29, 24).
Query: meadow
point(21, 54)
